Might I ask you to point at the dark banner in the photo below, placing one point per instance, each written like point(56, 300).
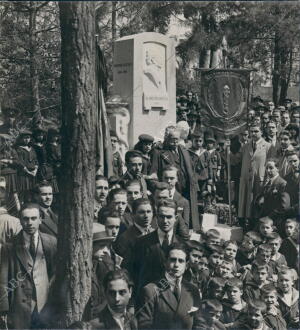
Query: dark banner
point(224, 99)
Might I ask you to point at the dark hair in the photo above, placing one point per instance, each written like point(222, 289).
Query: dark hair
point(109, 213)
point(273, 160)
point(264, 247)
point(132, 153)
point(170, 168)
point(234, 282)
point(101, 177)
point(178, 246)
point(138, 202)
point(268, 288)
point(114, 192)
point(29, 206)
point(133, 182)
point(286, 133)
point(41, 185)
point(167, 203)
point(119, 274)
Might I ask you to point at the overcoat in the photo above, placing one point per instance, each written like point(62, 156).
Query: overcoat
point(252, 175)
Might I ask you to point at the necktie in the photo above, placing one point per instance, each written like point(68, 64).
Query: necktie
point(254, 146)
point(165, 243)
point(32, 247)
point(177, 289)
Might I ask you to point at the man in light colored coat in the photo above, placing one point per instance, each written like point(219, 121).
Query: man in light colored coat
point(254, 156)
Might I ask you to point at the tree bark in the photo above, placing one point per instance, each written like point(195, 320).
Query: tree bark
point(34, 76)
point(77, 21)
point(286, 75)
point(276, 68)
point(113, 23)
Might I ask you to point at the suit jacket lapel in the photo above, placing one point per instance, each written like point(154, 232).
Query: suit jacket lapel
point(109, 321)
point(22, 252)
point(48, 222)
point(168, 296)
point(183, 304)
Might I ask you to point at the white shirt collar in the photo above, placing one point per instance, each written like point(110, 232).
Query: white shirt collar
point(27, 238)
point(118, 317)
point(272, 179)
point(172, 280)
point(162, 234)
point(172, 192)
point(142, 229)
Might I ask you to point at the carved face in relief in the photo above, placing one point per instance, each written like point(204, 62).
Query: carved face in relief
point(226, 91)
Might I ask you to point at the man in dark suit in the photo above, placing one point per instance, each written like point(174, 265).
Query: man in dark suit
point(44, 197)
point(117, 201)
point(115, 315)
point(134, 164)
point(176, 155)
point(150, 250)
point(160, 193)
point(183, 207)
point(169, 302)
point(292, 185)
point(274, 201)
point(143, 217)
point(27, 268)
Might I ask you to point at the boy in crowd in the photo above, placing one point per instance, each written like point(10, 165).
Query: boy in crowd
point(247, 250)
point(288, 298)
point(230, 252)
point(272, 315)
point(274, 240)
point(234, 304)
point(259, 277)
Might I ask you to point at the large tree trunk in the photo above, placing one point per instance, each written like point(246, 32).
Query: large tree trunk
point(78, 159)
point(34, 76)
point(276, 68)
point(113, 22)
point(286, 75)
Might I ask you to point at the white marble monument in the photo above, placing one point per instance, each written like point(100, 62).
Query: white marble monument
point(144, 75)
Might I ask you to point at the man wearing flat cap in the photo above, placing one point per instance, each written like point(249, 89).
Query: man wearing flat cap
point(145, 145)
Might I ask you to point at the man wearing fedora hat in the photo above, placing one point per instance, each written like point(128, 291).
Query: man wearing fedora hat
point(104, 258)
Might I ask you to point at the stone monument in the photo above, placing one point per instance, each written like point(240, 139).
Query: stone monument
point(119, 118)
point(144, 75)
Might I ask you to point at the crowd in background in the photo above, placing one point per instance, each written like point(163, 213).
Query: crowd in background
point(150, 271)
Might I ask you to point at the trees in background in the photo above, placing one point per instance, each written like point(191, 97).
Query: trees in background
point(30, 58)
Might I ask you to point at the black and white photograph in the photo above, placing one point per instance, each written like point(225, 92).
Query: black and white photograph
point(149, 165)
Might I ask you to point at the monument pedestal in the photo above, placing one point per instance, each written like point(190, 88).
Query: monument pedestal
point(210, 221)
point(144, 74)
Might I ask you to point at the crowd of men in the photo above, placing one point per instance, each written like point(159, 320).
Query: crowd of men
point(149, 269)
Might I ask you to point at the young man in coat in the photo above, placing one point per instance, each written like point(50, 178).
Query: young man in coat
point(44, 197)
point(115, 314)
point(169, 302)
point(149, 257)
point(170, 176)
point(27, 268)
